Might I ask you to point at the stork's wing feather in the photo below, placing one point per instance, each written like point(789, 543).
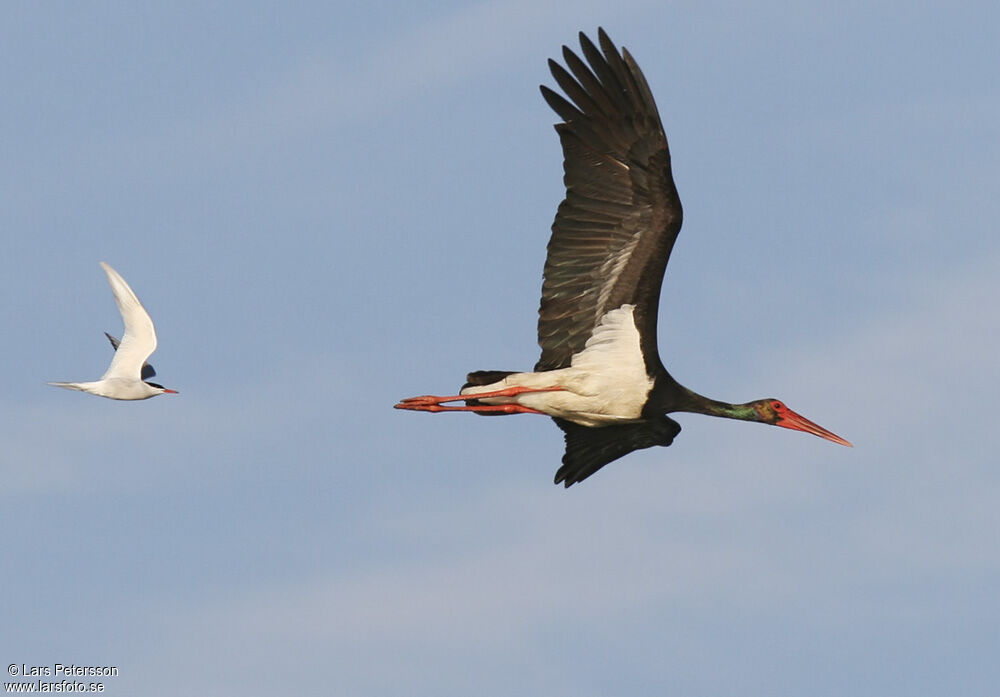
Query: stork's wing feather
point(147, 370)
point(139, 339)
point(589, 449)
point(613, 233)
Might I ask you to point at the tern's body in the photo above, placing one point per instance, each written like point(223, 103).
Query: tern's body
point(124, 377)
point(116, 388)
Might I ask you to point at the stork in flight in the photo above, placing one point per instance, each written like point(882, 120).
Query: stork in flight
point(600, 376)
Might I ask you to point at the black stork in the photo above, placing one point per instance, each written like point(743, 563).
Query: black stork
point(600, 376)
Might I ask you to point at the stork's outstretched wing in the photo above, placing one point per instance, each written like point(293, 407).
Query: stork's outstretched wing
point(613, 233)
point(589, 449)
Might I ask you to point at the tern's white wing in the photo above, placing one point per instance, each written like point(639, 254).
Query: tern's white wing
point(139, 339)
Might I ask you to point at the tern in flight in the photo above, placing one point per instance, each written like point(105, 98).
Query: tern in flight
point(600, 375)
point(126, 378)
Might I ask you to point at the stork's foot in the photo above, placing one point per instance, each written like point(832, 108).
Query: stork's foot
point(424, 400)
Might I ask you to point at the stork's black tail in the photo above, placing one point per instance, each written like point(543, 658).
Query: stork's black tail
point(484, 377)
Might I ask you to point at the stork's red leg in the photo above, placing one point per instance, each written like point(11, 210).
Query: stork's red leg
point(478, 409)
point(433, 404)
point(506, 392)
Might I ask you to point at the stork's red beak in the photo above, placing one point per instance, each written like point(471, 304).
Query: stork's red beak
point(170, 391)
point(796, 422)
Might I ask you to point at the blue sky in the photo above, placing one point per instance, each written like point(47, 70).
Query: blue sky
point(327, 208)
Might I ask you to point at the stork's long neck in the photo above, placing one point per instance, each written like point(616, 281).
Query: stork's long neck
point(713, 407)
point(676, 397)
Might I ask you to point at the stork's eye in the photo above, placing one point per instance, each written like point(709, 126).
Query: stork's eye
point(778, 406)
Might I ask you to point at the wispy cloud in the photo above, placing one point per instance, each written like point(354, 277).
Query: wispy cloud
point(326, 88)
point(787, 526)
point(204, 434)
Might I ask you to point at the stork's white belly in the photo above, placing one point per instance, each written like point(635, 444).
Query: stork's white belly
point(606, 383)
